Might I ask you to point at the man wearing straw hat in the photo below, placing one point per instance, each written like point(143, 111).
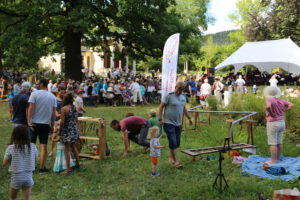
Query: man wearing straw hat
point(275, 108)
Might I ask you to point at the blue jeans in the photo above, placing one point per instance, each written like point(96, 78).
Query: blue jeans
point(174, 134)
point(140, 136)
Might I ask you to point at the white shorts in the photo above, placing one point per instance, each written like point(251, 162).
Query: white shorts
point(275, 132)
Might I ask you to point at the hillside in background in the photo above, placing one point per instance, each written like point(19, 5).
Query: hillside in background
point(221, 38)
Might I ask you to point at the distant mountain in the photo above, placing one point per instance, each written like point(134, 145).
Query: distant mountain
point(221, 38)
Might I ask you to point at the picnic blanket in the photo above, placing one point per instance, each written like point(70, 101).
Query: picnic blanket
point(254, 163)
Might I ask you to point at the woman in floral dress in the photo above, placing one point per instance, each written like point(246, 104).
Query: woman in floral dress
point(69, 132)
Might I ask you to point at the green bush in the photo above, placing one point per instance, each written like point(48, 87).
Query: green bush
point(292, 116)
point(248, 102)
point(212, 102)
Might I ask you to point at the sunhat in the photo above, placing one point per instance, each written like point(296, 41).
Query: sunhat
point(272, 91)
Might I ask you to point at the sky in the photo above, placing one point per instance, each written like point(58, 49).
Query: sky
point(220, 9)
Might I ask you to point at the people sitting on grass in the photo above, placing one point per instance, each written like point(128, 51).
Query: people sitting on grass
point(22, 155)
point(275, 108)
point(134, 128)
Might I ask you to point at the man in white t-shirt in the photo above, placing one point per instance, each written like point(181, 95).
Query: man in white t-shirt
point(205, 91)
point(273, 81)
point(240, 84)
point(50, 84)
point(136, 91)
point(41, 115)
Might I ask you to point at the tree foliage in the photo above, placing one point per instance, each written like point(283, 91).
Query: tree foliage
point(30, 28)
point(269, 19)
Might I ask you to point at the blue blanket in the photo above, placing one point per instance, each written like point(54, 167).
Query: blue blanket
point(254, 163)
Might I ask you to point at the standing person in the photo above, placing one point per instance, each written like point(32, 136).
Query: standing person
point(154, 121)
point(20, 105)
point(205, 91)
point(17, 86)
point(173, 106)
point(41, 114)
point(69, 132)
point(134, 128)
point(218, 89)
point(50, 84)
point(136, 92)
point(22, 156)
point(240, 85)
point(192, 87)
point(59, 99)
point(273, 81)
point(10, 96)
point(154, 149)
point(275, 108)
point(79, 103)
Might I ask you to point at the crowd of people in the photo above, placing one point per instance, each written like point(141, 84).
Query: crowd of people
point(53, 107)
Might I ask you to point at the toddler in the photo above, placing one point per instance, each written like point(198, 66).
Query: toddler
point(154, 148)
point(22, 156)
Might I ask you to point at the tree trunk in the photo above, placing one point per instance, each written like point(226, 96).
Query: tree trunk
point(1, 64)
point(73, 59)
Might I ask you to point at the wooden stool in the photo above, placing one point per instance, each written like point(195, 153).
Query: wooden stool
point(197, 118)
point(249, 125)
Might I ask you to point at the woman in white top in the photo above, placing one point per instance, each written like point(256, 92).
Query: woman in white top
point(273, 81)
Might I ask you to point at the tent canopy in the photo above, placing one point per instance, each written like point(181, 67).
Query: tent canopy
point(266, 55)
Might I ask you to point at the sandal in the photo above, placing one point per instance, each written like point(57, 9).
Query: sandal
point(66, 172)
point(178, 166)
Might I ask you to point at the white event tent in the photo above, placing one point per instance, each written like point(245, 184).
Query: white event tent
point(266, 55)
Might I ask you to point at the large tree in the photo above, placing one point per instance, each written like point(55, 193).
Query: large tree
point(269, 19)
point(141, 25)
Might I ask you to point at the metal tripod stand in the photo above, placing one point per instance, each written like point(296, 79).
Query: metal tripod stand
point(220, 175)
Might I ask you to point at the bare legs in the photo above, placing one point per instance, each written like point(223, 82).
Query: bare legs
point(173, 156)
point(67, 155)
point(43, 155)
point(26, 193)
point(275, 151)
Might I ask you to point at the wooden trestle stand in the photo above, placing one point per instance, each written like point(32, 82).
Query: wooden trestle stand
point(98, 125)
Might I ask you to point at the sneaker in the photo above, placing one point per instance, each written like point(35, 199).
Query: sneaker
point(43, 171)
point(155, 174)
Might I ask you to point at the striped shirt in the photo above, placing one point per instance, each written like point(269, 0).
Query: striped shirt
point(21, 160)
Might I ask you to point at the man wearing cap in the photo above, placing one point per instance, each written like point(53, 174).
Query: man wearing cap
point(173, 106)
point(275, 108)
point(134, 128)
point(20, 105)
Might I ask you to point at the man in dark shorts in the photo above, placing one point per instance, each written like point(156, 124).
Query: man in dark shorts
point(41, 115)
point(173, 107)
point(134, 128)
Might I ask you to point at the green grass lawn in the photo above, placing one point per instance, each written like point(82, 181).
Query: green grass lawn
point(128, 178)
